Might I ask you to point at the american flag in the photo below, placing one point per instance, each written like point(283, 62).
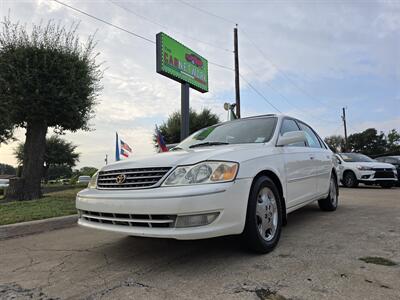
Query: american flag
point(121, 149)
point(160, 141)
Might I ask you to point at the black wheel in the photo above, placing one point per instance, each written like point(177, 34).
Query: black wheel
point(264, 216)
point(350, 180)
point(330, 203)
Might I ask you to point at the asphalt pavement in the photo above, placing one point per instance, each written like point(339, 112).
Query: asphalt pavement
point(318, 257)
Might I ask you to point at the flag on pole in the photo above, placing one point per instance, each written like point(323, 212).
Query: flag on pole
point(160, 141)
point(122, 149)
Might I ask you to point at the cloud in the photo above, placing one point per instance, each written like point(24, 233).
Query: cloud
point(322, 47)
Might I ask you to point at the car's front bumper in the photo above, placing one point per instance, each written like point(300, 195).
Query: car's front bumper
point(370, 176)
point(228, 199)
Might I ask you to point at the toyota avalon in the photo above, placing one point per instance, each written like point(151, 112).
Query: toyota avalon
point(241, 177)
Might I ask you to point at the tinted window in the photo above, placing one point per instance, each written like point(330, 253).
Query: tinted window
point(312, 139)
point(289, 125)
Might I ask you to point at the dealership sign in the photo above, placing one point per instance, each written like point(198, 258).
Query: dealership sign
point(179, 63)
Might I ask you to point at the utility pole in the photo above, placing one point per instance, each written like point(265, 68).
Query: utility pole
point(106, 159)
point(237, 87)
point(345, 128)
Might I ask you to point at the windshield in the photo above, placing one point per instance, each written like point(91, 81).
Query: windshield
point(259, 130)
point(355, 157)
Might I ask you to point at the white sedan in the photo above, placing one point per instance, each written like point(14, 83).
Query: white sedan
point(238, 177)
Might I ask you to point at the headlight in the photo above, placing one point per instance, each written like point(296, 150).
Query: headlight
point(93, 181)
point(363, 168)
point(204, 172)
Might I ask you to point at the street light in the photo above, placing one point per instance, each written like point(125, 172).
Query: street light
point(230, 109)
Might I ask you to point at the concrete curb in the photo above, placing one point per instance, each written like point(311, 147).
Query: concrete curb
point(32, 227)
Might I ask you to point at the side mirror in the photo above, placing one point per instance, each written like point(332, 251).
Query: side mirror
point(292, 137)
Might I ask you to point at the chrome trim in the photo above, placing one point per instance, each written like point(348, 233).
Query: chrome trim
point(150, 220)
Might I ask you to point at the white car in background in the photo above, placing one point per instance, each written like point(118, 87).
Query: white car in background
point(357, 168)
point(4, 183)
point(83, 179)
point(238, 177)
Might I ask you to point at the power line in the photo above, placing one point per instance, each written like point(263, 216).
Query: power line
point(285, 98)
point(259, 93)
point(261, 52)
point(105, 22)
point(284, 73)
point(207, 12)
point(165, 27)
point(128, 31)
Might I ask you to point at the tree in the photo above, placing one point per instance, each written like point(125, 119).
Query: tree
point(87, 171)
point(48, 78)
point(393, 141)
point(368, 142)
point(59, 155)
point(171, 129)
point(7, 169)
point(336, 143)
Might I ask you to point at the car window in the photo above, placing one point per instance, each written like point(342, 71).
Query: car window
point(289, 125)
point(355, 157)
point(241, 131)
point(312, 139)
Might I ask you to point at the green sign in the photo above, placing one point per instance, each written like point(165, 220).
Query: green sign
point(179, 63)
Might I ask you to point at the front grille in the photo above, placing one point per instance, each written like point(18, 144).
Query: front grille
point(132, 220)
point(133, 178)
point(384, 174)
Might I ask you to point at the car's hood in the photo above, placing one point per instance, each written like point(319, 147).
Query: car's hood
point(372, 164)
point(192, 156)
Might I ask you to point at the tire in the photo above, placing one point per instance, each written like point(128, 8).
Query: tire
point(264, 216)
point(330, 203)
point(350, 180)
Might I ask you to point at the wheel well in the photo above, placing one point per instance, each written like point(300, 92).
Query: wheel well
point(278, 183)
point(337, 180)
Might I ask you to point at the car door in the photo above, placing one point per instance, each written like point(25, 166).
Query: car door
point(300, 170)
point(322, 160)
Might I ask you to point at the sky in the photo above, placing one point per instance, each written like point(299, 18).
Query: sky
point(307, 58)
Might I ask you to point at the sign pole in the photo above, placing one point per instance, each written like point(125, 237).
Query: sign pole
point(237, 88)
point(184, 111)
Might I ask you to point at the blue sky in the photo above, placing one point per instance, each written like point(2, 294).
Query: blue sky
point(308, 58)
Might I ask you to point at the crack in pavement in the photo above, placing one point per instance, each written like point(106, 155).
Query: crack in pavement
point(15, 291)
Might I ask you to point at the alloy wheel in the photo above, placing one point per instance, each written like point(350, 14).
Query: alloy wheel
point(266, 214)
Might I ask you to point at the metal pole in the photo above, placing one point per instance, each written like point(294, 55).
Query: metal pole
point(237, 87)
point(345, 128)
point(184, 111)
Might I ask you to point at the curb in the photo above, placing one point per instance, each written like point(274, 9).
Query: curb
point(38, 226)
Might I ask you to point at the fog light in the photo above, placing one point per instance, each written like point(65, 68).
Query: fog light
point(195, 220)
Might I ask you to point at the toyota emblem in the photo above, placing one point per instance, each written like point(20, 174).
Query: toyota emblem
point(120, 179)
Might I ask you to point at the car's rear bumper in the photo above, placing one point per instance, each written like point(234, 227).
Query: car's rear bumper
point(227, 199)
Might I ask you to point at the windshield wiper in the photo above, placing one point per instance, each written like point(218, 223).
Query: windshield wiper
point(208, 144)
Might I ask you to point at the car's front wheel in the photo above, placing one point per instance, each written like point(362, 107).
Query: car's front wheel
point(330, 203)
point(350, 179)
point(264, 216)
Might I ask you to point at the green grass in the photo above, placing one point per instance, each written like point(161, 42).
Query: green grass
point(53, 204)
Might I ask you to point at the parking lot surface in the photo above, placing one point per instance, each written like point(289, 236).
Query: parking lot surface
point(318, 257)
